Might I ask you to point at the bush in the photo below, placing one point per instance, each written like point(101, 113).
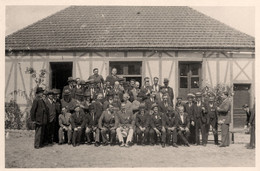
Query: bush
point(13, 116)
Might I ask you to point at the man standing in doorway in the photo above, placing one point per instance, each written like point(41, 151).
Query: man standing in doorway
point(98, 79)
point(113, 77)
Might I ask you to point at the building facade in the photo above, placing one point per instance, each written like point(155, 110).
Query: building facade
point(191, 54)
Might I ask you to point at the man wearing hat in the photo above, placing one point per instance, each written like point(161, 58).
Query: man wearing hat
point(49, 101)
point(106, 124)
point(142, 125)
point(224, 119)
point(201, 119)
point(183, 123)
point(168, 90)
point(170, 123)
point(65, 126)
point(39, 115)
point(113, 77)
point(77, 124)
point(70, 87)
point(125, 123)
point(157, 130)
point(98, 79)
point(189, 109)
point(248, 114)
point(213, 119)
point(68, 101)
point(179, 102)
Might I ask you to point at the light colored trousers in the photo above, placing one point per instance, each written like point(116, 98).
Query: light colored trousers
point(124, 132)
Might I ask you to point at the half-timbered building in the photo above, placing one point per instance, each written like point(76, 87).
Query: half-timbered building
point(179, 43)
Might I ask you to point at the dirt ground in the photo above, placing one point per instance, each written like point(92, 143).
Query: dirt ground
point(19, 153)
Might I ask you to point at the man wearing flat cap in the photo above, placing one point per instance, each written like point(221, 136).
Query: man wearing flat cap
point(77, 124)
point(213, 118)
point(98, 79)
point(39, 115)
point(106, 124)
point(189, 109)
point(125, 123)
point(168, 90)
point(49, 101)
point(201, 119)
point(142, 125)
point(224, 119)
point(157, 130)
point(70, 87)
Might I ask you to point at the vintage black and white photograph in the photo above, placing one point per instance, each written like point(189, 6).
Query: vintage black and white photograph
point(117, 86)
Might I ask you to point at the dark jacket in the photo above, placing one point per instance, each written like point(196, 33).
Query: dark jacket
point(156, 121)
point(186, 120)
point(169, 90)
point(52, 110)
point(72, 91)
point(142, 120)
point(189, 110)
point(199, 114)
point(163, 108)
point(77, 121)
point(39, 111)
point(252, 117)
point(125, 120)
point(169, 121)
point(149, 103)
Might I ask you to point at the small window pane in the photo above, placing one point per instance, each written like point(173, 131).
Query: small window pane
point(134, 70)
point(183, 82)
point(194, 70)
point(183, 70)
point(195, 83)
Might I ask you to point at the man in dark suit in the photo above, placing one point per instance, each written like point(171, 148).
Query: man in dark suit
point(213, 119)
point(70, 87)
point(94, 129)
point(224, 119)
point(142, 125)
point(171, 125)
point(157, 129)
point(165, 106)
point(106, 124)
point(252, 127)
point(93, 90)
point(201, 119)
point(113, 77)
point(189, 109)
point(183, 123)
point(77, 124)
point(150, 100)
point(168, 90)
point(49, 101)
point(146, 88)
point(39, 115)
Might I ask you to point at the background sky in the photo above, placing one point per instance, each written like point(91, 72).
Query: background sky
point(240, 18)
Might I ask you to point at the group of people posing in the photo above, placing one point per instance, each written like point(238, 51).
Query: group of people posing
point(114, 111)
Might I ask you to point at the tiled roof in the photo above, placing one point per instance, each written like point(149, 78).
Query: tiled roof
point(115, 27)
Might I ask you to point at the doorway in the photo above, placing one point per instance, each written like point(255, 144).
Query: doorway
point(189, 78)
point(59, 73)
point(241, 97)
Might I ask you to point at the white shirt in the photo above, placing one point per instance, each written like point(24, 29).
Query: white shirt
point(182, 118)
